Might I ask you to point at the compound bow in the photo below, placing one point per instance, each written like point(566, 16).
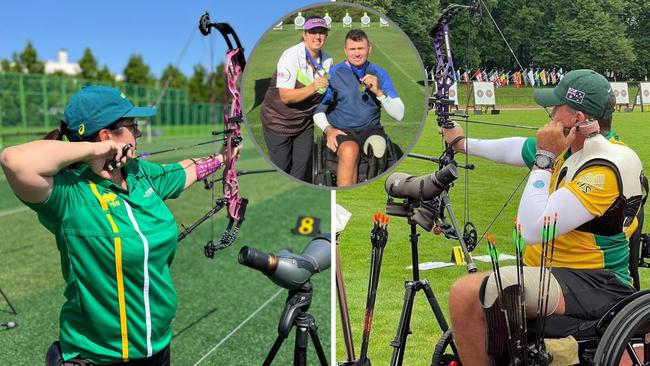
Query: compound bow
point(440, 101)
point(444, 78)
point(232, 200)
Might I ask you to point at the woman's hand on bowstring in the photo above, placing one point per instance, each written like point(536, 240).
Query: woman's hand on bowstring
point(109, 151)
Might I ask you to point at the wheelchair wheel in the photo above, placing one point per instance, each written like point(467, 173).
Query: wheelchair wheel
point(440, 357)
point(627, 337)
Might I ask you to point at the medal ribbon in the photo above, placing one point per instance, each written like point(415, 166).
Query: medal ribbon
point(317, 65)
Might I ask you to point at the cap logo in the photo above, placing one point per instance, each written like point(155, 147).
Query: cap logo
point(82, 129)
point(575, 95)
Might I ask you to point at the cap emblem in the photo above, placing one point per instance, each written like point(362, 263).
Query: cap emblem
point(575, 95)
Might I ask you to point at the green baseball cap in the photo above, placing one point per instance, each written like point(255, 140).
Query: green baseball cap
point(583, 90)
point(95, 107)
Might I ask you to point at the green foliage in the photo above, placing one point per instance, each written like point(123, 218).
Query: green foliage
point(197, 84)
point(598, 34)
point(137, 72)
point(584, 28)
point(88, 65)
point(204, 87)
point(105, 74)
point(173, 77)
point(27, 61)
point(5, 65)
point(637, 18)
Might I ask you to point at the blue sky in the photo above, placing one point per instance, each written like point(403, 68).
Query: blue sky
point(115, 29)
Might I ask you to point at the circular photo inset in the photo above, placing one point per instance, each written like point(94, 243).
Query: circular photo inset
point(329, 98)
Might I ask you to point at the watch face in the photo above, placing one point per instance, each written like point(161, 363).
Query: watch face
point(543, 161)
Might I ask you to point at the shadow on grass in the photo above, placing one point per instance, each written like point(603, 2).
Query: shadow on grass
point(260, 89)
point(197, 321)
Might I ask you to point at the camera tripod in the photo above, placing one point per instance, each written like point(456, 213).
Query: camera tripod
point(412, 287)
point(295, 314)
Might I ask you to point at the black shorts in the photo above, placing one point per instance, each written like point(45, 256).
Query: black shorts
point(360, 136)
point(588, 295)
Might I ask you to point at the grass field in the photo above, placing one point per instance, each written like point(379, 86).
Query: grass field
point(403, 67)
point(490, 184)
point(227, 313)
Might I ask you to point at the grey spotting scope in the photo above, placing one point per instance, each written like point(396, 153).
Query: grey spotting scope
point(426, 187)
point(288, 269)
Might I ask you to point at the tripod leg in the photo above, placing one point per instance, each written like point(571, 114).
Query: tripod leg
point(403, 330)
point(437, 312)
point(300, 349)
point(313, 331)
point(343, 308)
point(273, 351)
point(470, 265)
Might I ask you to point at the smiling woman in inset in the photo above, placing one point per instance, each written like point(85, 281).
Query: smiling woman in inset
point(296, 88)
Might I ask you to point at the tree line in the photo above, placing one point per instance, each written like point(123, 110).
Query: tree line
point(200, 85)
point(596, 34)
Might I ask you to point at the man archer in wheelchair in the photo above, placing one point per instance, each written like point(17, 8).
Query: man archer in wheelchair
point(583, 194)
point(349, 113)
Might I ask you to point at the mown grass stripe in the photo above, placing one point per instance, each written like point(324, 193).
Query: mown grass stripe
point(251, 316)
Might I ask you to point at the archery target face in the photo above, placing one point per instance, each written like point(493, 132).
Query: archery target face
point(484, 93)
point(645, 93)
point(620, 92)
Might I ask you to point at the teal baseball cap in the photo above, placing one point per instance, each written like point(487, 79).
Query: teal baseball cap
point(583, 90)
point(95, 107)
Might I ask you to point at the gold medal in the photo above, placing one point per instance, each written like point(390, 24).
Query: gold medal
point(362, 88)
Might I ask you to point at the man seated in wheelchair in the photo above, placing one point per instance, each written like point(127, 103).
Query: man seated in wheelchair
point(594, 187)
point(349, 114)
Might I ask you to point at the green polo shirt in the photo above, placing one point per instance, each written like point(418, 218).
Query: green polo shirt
point(116, 248)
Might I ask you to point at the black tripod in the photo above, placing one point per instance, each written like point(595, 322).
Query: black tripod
point(295, 314)
point(416, 284)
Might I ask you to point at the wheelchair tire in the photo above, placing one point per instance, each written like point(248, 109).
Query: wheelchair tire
point(440, 358)
point(621, 335)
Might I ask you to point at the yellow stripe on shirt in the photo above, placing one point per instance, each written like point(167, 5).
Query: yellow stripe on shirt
point(119, 277)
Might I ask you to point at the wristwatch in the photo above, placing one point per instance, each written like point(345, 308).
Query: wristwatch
point(545, 160)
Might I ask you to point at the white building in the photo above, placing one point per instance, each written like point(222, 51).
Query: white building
point(62, 65)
